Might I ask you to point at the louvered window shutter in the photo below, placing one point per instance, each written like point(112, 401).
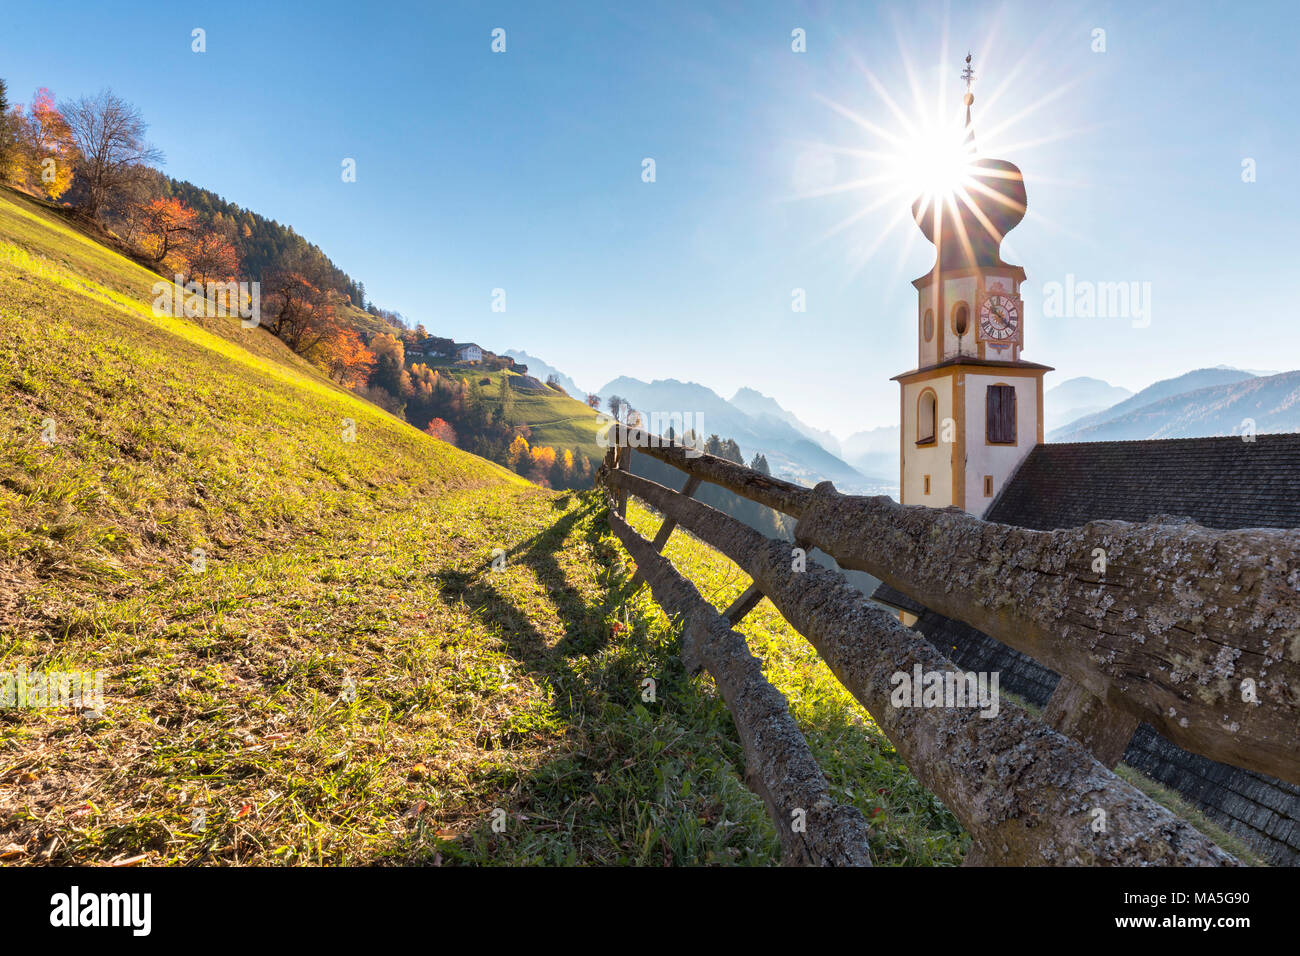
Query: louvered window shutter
point(1000, 415)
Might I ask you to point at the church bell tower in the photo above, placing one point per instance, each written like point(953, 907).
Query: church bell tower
point(972, 409)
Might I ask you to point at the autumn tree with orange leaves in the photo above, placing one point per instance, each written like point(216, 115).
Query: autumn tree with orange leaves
point(297, 310)
point(344, 356)
point(541, 464)
point(212, 256)
point(439, 428)
point(44, 155)
point(170, 228)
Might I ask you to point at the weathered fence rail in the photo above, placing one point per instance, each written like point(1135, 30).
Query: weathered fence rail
point(1193, 630)
point(1026, 793)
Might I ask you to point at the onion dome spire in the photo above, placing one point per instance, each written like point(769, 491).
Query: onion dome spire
point(968, 225)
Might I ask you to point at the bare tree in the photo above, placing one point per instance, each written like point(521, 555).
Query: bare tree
point(109, 132)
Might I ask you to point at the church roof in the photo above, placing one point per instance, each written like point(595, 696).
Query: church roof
point(972, 360)
point(1218, 482)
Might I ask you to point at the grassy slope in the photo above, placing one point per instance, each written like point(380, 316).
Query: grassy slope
point(554, 418)
point(347, 680)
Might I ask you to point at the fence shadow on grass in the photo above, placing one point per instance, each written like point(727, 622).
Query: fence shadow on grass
point(605, 794)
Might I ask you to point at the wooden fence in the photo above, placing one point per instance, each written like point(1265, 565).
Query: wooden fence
point(1192, 630)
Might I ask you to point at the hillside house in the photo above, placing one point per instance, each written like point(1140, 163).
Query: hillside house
point(468, 352)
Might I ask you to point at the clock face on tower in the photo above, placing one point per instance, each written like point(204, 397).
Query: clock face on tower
point(999, 317)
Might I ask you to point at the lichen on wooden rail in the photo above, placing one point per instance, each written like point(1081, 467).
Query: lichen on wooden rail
point(1195, 631)
point(1027, 794)
point(812, 827)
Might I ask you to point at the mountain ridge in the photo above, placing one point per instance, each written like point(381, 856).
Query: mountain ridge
point(1077, 397)
point(540, 369)
point(1268, 403)
point(755, 403)
point(790, 453)
point(1157, 391)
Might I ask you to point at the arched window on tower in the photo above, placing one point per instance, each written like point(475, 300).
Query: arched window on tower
point(927, 410)
point(960, 318)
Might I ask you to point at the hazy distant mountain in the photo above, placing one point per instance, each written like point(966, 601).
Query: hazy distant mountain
point(1271, 402)
point(1252, 371)
point(1167, 388)
point(758, 405)
point(540, 370)
point(873, 452)
point(1077, 397)
point(790, 454)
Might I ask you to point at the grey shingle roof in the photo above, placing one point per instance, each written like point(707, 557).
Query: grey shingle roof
point(1219, 482)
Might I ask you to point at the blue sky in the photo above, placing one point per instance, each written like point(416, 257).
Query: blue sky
point(522, 170)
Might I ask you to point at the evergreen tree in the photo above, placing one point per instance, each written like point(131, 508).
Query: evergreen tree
point(760, 463)
point(476, 411)
point(8, 144)
point(507, 400)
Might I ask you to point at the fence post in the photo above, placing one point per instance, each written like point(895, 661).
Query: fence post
point(743, 605)
point(622, 463)
point(1080, 714)
point(779, 765)
point(1025, 792)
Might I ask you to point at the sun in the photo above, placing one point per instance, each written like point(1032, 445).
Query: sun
point(934, 163)
point(917, 154)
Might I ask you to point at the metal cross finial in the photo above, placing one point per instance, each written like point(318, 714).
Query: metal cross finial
point(968, 74)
